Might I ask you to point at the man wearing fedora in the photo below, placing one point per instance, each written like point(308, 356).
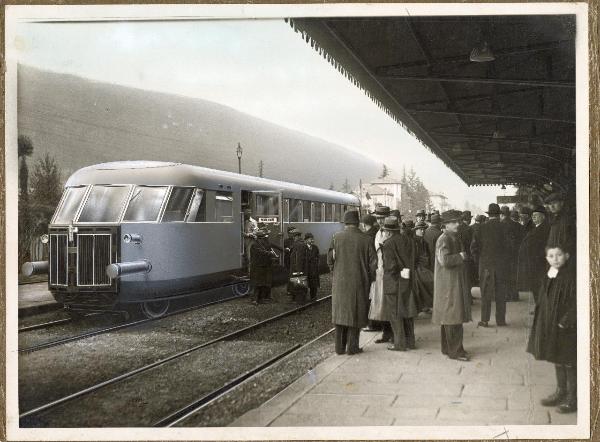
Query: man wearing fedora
point(261, 266)
point(353, 261)
point(562, 223)
point(370, 227)
point(525, 219)
point(515, 231)
point(532, 255)
point(465, 235)
point(423, 277)
point(399, 303)
point(489, 244)
point(420, 216)
point(451, 299)
point(431, 236)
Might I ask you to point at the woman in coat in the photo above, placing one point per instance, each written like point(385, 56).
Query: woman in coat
point(553, 335)
point(451, 300)
point(312, 265)
point(399, 303)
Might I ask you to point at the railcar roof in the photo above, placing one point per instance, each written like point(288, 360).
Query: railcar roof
point(177, 174)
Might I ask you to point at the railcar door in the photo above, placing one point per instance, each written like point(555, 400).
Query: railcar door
point(267, 210)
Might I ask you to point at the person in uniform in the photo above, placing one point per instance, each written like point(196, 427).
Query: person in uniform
point(423, 277)
point(553, 335)
point(376, 291)
point(352, 260)
point(312, 265)
point(431, 235)
point(261, 266)
point(399, 303)
point(451, 304)
point(562, 224)
point(532, 255)
point(489, 245)
point(515, 232)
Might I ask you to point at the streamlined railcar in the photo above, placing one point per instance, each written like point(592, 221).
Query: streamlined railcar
point(140, 233)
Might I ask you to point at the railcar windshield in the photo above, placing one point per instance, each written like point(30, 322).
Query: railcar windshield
point(71, 202)
point(104, 204)
point(178, 204)
point(145, 204)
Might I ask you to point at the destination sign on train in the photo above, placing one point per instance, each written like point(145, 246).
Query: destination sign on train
point(268, 220)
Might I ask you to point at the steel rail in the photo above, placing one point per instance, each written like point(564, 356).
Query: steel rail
point(186, 412)
point(152, 365)
point(119, 327)
point(44, 325)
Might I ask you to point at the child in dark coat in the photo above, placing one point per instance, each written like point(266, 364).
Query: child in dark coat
point(554, 331)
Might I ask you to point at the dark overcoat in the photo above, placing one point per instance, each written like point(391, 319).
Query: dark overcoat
point(532, 258)
point(431, 236)
point(451, 299)
point(423, 278)
point(298, 257)
point(399, 299)
point(563, 232)
point(465, 236)
point(312, 265)
point(557, 304)
point(353, 261)
point(261, 263)
point(373, 231)
point(492, 243)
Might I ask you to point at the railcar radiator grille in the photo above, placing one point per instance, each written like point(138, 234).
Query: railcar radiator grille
point(58, 259)
point(93, 255)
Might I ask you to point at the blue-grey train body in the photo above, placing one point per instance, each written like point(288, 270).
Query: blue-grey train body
point(185, 256)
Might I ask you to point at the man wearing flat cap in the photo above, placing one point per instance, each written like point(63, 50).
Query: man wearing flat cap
point(532, 255)
point(451, 298)
point(353, 261)
point(489, 245)
point(431, 235)
point(562, 223)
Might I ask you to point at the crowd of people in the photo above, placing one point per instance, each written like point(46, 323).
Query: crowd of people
point(387, 271)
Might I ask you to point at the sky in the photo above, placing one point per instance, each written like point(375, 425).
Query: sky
point(261, 67)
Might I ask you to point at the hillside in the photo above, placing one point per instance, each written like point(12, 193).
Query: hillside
point(82, 122)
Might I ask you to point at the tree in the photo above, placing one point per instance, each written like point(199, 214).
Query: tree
point(46, 190)
point(346, 187)
point(25, 228)
point(385, 172)
point(25, 150)
point(260, 168)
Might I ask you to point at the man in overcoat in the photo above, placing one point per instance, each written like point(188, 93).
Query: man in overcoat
point(353, 261)
point(298, 266)
point(562, 224)
point(515, 231)
point(376, 293)
point(525, 219)
point(312, 265)
point(490, 245)
point(432, 233)
point(465, 235)
point(370, 227)
point(451, 302)
point(261, 266)
point(532, 255)
point(420, 216)
point(399, 302)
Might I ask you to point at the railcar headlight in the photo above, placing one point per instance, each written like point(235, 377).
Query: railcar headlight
point(132, 238)
point(44, 238)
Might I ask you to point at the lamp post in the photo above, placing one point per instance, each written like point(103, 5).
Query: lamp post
point(239, 157)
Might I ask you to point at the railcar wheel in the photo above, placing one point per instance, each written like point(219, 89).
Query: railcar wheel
point(241, 289)
point(154, 309)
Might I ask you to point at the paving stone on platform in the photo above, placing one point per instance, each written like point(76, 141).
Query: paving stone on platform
point(325, 420)
point(374, 377)
point(431, 369)
point(458, 415)
point(492, 390)
point(467, 377)
point(401, 412)
point(387, 388)
point(476, 403)
point(561, 419)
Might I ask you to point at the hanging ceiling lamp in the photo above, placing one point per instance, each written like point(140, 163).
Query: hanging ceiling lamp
point(482, 54)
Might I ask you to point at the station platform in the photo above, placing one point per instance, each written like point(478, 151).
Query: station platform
point(35, 298)
point(501, 384)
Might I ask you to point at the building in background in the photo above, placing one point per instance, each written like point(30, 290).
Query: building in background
point(380, 192)
point(439, 201)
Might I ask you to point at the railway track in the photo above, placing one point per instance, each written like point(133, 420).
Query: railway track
point(184, 413)
point(177, 416)
point(89, 334)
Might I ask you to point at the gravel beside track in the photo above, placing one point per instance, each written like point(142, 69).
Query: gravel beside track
point(150, 396)
point(52, 373)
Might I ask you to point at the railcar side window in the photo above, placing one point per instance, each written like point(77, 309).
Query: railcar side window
point(328, 212)
point(224, 207)
point(197, 208)
point(295, 211)
point(178, 204)
point(267, 205)
point(317, 215)
point(71, 202)
point(104, 204)
point(306, 211)
point(337, 213)
point(145, 203)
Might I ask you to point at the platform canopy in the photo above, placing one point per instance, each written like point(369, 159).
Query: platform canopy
point(492, 96)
